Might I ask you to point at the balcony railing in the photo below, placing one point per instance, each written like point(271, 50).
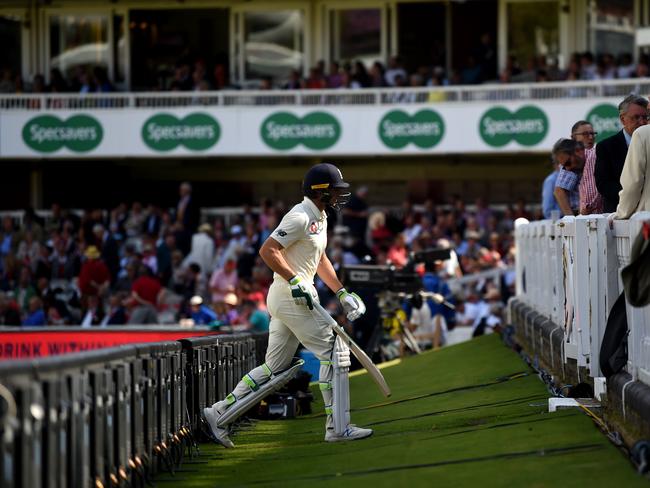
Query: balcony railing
point(388, 96)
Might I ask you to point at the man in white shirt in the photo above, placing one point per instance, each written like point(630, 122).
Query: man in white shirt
point(295, 251)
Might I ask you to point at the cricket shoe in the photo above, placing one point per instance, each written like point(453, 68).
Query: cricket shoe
point(217, 434)
point(351, 433)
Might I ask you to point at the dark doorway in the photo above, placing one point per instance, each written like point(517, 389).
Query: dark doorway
point(168, 45)
point(471, 21)
point(421, 34)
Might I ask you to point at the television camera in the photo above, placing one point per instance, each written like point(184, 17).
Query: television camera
point(391, 286)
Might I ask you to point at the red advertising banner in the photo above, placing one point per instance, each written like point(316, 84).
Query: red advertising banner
point(42, 342)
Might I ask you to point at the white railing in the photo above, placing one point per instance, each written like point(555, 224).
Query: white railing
point(387, 96)
point(569, 271)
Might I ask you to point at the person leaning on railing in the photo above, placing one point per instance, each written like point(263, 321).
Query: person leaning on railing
point(570, 155)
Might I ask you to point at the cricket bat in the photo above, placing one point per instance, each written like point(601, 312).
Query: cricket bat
point(359, 353)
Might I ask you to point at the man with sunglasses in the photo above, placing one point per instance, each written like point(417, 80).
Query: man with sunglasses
point(611, 153)
point(591, 202)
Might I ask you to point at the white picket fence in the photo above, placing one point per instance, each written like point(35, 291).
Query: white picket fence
point(569, 272)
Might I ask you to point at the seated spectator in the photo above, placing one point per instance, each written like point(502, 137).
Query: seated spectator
point(93, 311)
point(256, 316)
point(201, 313)
point(223, 280)
point(36, 314)
point(232, 314)
point(9, 310)
point(116, 313)
point(24, 290)
point(398, 252)
point(145, 294)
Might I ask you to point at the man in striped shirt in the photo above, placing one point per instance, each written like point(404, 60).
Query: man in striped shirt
point(591, 202)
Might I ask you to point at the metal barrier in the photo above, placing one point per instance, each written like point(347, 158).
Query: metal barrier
point(568, 273)
point(387, 96)
point(116, 416)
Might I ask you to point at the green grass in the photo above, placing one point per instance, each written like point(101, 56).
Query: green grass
point(460, 416)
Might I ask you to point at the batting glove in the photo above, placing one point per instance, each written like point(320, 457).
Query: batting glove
point(300, 293)
point(352, 304)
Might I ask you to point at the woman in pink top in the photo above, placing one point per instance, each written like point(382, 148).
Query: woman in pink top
point(224, 281)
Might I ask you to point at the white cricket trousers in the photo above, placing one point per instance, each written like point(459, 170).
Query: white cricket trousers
point(290, 325)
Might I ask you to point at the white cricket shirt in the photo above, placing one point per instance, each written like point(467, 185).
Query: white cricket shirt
point(303, 235)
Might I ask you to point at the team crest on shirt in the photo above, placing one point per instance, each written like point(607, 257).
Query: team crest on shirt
point(315, 227)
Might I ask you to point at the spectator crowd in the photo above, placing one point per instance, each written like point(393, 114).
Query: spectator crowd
point(590, 178)
point(138, 264)
point(195, 74)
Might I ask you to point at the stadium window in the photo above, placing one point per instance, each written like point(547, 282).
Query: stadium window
point(273, 43)
point(531, 35)
point(611, 26)
point(355, 34)
point(79, 43)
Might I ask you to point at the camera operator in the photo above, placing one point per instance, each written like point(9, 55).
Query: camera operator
point(428, 328)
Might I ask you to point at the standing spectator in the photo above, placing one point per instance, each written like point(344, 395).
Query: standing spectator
point(486, 56)
point(570, 155)
point(164, 257)
point(145, 293)
point(249, 250)
point(355, 213)
point(202, 251)
point(610, 153)
point(591, 202)
point(235, 245)
point(94, 276)
point(635, 180)
point(153, 221)
point(187, 216)
point(109, 249)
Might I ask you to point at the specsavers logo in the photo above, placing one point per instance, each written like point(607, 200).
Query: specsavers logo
point(47, 133)
point(527, 126)
point(604, 119)
point(197, 132)
point(317, 130)
point(424, 129)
